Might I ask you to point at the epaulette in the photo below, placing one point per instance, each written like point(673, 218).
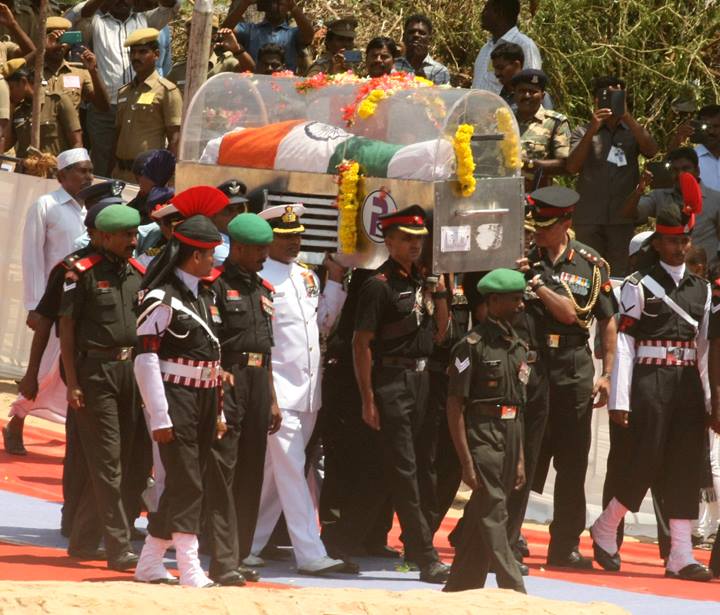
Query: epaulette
point(84, 264)
point(167, 84)
point(214, 274)
point(303, 265)
point(267, 285)
point(634, 278)
point(473, 337)
point(555, 115)
point(598, 261)
point(69, 261)
point(137, 265)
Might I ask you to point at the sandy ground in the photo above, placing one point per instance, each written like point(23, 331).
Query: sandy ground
point(108, 598)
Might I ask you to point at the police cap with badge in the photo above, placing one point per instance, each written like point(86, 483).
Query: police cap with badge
point(531, 76)
point(284, 219)
point(344, 27)
point(235, 190)
point(108, 191)
point(143, 36)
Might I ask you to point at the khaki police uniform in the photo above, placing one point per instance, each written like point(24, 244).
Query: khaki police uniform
point(58, 121)
point(71, 80)
point(145, 111)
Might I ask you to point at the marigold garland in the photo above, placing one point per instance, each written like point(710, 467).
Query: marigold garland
point(510, 146)
point(348, 203)
point(464, 158)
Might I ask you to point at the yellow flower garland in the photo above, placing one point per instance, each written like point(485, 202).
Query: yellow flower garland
point(464, 157)
point(348, 203)
point(510, 146)
point(368, 106)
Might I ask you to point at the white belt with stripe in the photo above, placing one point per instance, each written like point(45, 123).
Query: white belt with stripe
point(198, 374)
point(657, 352)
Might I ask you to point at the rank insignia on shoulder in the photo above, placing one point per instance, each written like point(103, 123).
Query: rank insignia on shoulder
point(473, 338)
point(269, 286)
point(461, 366)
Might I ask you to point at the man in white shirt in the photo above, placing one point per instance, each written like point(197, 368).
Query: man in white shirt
point(112, 22)
point(302, 313)
point(52, 224)
point(499, 17)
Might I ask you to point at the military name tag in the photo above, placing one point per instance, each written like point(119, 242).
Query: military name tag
point(267, 305)
point(215, 314)
point(233, 295)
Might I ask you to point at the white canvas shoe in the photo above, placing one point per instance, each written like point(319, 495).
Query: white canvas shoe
point(322, 566)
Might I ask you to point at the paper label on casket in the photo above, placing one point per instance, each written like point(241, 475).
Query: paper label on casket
point(455, 238)
point(489, 236)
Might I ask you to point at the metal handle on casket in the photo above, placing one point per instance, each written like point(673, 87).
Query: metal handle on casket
point(472, 212)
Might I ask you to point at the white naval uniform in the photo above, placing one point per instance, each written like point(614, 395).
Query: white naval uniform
point(301, 314)
point(52, 224)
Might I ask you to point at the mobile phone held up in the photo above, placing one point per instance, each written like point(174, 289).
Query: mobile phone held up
point(613, 100)
point(699, 131)
point(71, 37)
point(662, 174)
point(352, 56)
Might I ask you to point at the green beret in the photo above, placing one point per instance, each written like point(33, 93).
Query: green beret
point(117, 218)
point(250, 229)
point(502, 281)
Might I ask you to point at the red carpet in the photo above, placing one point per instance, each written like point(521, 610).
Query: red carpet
point(39, 475)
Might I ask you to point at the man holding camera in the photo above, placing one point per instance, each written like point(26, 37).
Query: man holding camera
point(80, 84)
point(275, 28)
point(605, 153)
point(639, 206)
point(705, 133)
point(339, 55)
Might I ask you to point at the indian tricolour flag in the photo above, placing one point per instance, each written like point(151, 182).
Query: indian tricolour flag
point(314, 147)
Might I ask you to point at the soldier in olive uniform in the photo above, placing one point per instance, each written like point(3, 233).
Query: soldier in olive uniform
point(179, 376)
point(60, 128)
point(245, 303)
point(486, 393)
point(149, 107)
point(97, 337)
point(340, 38)
point(658, 395)
point(95, 199)
point(584, 278)
point(81, 82)
point(544, 134)
point(393, 339)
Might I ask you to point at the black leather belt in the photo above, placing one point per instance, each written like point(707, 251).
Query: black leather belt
point(553, 340)
point(498, 411)
point(125, 165)
point(417, 365)
point(123, 353)
point(246, 359)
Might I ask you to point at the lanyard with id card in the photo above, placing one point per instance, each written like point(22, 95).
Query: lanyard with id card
point(616, 156)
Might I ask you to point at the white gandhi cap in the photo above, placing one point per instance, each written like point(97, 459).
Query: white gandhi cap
point(72, 156)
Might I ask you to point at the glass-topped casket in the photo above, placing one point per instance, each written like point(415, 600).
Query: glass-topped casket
point(352, 150)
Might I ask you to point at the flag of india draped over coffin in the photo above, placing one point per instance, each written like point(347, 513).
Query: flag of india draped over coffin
point(314, 147)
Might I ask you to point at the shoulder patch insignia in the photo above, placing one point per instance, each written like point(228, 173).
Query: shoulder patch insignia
point(214, 275)
point(137, 265)
point(84, 264)
point(269, 286)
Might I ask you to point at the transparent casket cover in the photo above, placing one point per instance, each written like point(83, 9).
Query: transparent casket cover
point(417, 125)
